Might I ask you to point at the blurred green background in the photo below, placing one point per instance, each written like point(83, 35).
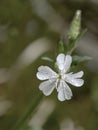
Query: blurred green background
point(28, 30)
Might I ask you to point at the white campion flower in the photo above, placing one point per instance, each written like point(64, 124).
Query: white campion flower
point(59, 80)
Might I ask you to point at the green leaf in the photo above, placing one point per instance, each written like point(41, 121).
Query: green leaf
point(60, 47)
point(46, 58)
point(77, 59)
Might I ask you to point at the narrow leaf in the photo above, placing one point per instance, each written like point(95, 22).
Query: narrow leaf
point(46, 58)
point(77, 59)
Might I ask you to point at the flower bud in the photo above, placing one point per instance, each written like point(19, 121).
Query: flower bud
point(75, 26)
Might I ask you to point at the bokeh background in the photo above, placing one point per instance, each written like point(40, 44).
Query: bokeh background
point(30, 29)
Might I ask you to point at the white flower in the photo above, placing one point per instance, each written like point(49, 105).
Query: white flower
point(59, 80)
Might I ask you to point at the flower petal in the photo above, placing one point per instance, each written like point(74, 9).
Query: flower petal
point(47, 87)
point(64, 92)
point(78, 75)
point(74, 80)
point(64, 62)
point(45, 72)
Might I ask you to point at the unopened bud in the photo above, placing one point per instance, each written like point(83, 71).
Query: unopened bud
point(75, 26)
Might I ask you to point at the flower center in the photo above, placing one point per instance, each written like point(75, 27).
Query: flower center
point(61, 76)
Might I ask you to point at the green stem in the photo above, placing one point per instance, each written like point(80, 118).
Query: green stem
point(31, 108)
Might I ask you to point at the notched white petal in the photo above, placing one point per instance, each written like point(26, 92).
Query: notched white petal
point(78, 82)
point(64, 92)
point(64, 62)
point(75, 82)
point(78, 75)
point(47, 87)
point(45, 72)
